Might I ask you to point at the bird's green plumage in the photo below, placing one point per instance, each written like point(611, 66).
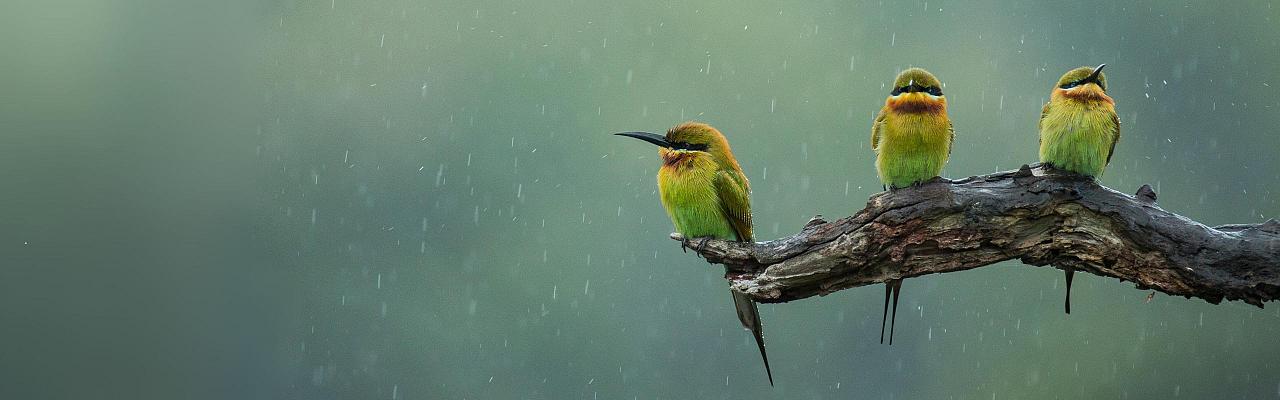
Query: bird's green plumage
point(706, 195)
point(912, 138)
point(704, 191)
point(704, 201)
point(912, 135)
point(1078, 137)
point(1079, 127)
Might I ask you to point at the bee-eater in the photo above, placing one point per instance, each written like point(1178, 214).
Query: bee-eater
point(912, 137)
point(707, 196)
point(1079, 129)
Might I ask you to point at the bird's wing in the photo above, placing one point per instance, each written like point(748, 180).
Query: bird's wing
point(1115, 120)
point(875, 130)
point(735, 201)
point(1044, 112)
point(951, 131)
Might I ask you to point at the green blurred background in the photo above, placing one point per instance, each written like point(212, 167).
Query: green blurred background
point(339, 199)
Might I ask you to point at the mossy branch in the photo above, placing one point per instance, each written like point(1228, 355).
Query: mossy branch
point(1036, 215)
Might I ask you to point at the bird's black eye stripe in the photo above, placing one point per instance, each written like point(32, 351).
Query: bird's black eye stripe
point(688, 146)
point(1072, 84)
point(914, 88)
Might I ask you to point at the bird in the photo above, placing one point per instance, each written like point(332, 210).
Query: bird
point(912, 138)
point(1079, 129)
point(706, 195)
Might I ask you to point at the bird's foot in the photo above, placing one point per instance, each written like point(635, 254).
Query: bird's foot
point(702, 244)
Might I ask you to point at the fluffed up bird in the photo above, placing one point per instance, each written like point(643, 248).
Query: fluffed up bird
point(1079, 129)
point(707, 196)
point(912, 138)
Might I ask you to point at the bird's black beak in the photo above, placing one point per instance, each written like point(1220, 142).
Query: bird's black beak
point(648, 137)
point(1093, 77)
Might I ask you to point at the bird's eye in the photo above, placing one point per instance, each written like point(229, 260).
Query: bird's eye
point(896, 91)
point(1071, 84)
point(935, 91)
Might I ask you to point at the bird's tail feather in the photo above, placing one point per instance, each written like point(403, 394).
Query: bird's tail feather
point(1071, 272)
point(884, 318)
point(891, 287)
point(750, 317)
point(893, 319)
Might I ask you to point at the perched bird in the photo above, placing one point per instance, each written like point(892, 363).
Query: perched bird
point(912, 137)
point(1079, 129)
point(707, 196)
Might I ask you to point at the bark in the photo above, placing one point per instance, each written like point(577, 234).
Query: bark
point(1036, 215)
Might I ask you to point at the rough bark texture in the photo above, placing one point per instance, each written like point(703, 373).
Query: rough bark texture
point(1036, 215)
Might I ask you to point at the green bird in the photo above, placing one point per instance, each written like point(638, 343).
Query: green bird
point(1079, 129)
point(707, 196)
point(912, 138)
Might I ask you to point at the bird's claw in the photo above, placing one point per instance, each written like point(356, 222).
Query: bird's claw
point(687, 243)
point(702, 243)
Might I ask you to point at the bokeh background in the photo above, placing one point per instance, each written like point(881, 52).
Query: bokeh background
point(341, 199)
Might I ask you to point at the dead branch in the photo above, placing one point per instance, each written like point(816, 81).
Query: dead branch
point(1036, 215)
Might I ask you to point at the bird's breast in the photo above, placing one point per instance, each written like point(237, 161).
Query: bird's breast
point(688, 192)
point(1078, 135)
point(917, 129)
point(686, 179)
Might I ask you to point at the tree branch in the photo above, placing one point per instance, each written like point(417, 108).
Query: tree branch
point(1036, 215)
